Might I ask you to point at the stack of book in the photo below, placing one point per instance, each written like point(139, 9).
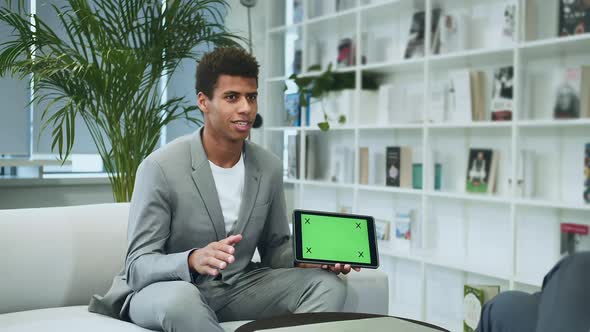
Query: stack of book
point(474, 297)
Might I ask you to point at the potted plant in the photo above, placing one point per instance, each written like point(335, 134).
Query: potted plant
point(108, 71)
point(316, 88)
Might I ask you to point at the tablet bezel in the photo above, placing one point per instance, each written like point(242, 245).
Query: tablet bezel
point(298, 248)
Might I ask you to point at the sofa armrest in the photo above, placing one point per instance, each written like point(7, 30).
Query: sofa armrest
point(367, 292)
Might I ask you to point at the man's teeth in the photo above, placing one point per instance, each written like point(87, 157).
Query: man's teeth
point(242, 123)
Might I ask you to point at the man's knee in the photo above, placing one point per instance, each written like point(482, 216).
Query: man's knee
point(171, 306)
point(183, 302)
point(327, 288)
point(510, 311)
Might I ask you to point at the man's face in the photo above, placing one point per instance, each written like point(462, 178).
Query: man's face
point(231, 111)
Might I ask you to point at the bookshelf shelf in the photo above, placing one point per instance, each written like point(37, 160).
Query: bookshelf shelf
point(390, 189)
point(412, 65)
point(498, 238)
point(485, 198)
point(470, 57)
point(327, 184)
point(527, 280)
point(277, 79)
point(482, 124)
point(557, 46)
point(553, 123)
point(552, 204)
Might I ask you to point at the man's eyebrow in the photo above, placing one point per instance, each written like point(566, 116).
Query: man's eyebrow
point(237, 93)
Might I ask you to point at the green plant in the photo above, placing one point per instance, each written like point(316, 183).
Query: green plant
point(318, 86)
point(108, 69)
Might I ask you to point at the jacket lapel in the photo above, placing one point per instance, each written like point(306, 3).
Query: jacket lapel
point(251, 186)
point(203, 178)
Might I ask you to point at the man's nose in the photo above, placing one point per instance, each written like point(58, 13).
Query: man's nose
point(245, 106)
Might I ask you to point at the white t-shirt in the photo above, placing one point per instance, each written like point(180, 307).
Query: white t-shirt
point(229, 183)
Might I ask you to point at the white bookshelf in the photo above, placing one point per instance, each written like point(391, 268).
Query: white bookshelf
point(502, 238)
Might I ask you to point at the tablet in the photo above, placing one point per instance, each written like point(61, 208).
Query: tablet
point(330, 238)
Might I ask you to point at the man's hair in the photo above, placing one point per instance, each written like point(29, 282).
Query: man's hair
point(231, 61)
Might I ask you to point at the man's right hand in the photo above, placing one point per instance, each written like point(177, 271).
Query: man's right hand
point(214, 257)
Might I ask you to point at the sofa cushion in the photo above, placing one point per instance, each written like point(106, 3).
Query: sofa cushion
point(53, 257)
point(74, 319)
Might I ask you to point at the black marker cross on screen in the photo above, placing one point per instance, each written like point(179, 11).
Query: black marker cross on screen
point(308, 250)
point(358, 225)
point(307, 221)
point(360, 254)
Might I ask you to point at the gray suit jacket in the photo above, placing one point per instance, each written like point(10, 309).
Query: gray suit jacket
point(175, 209)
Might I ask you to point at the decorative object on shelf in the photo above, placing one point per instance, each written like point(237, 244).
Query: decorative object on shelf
point(574, 17)
point(587, 173)
point(292, 110)
point(313, 89)
point(341, 164)
point(572, 94)
point(502, 92)
point(525, 174)
point(509, 24)
point(291, 156)
point(125, 119)
point(403, 229)
point(574, 238)
point(466, 96)
point(454, 32)
point(417, 170)
point(398, 166)
point(481, 170)
point(474, 297)
point(382, 229)
point(416, 39)
point(346, 52)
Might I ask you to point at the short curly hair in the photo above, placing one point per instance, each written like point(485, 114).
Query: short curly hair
point(232, 61)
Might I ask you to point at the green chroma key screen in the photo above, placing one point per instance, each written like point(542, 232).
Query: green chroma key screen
point(338, 239)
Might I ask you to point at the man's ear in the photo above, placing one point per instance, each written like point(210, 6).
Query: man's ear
point(202, 101)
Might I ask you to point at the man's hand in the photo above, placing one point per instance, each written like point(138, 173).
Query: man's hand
point(214, 257)
point(338, 268)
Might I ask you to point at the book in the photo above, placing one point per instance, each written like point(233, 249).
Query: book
point(574, 17)
point(364, 165)
point(574, 238)
point(403, 230)
point(398, 166)
point(460, 98)
point(478, 98)
point(587, 173)
point(502, 94)
point(382, 229)
point(572, 95)
point(474, 297)
point(453, 32)
point(341, 164)
point(508, 34)
point(291, 156)
point(292, 110)
point(417, 176)
point(481, 170)
point(417, 36)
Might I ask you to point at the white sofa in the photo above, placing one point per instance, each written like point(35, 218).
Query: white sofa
point(52, 260)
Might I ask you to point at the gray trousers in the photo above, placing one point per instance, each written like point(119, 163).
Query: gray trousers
point(180, 306)
point(562, 305)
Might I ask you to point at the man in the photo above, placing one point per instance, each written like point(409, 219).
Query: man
point(562, 304)
point(201, 206)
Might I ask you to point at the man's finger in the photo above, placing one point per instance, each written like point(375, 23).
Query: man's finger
point(223, 256)
point(216, 263)
point(346, 269)
point(232, 239)
point(357, 269)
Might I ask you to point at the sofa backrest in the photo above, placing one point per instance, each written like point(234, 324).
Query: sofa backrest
point(51, 257)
